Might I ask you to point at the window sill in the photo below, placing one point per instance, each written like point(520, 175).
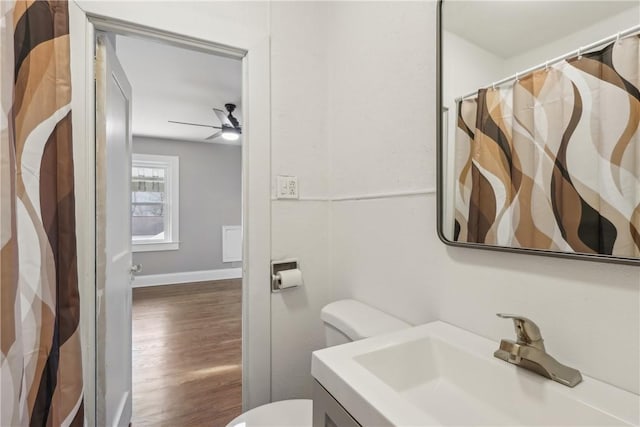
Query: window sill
point(155, 247)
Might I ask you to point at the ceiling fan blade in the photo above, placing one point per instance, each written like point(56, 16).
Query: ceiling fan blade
point(222, 117)
point(195, 124)
point(214, 136)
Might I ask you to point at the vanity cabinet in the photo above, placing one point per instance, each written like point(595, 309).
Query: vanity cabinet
point(327, 412)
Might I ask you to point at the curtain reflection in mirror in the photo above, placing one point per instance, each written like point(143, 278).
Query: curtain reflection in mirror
point(552, 160)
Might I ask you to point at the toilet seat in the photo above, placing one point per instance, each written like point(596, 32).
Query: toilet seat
point(293, 412)
point(345, 321)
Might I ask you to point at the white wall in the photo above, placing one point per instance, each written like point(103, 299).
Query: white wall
point(381, 91)
point(299, 228)
point(460, 57)
point(380, 248)
point(385, 252)
point(605, 28)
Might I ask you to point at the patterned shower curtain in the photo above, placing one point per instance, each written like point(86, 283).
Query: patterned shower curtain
point(40, 359)
point(553, 161)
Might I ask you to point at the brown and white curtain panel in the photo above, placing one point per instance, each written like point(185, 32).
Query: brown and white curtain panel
point(40, 359)
point(553, 161)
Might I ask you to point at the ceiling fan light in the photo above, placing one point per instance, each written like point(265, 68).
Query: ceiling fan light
point(230, 134)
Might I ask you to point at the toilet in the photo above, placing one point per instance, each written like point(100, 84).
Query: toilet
point(344, 321)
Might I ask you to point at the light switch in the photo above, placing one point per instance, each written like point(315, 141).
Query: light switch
point(287, 187)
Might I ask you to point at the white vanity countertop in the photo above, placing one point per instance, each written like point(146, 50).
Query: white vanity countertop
point(438, 374)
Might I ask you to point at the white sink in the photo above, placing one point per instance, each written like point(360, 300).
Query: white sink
point(437, 374)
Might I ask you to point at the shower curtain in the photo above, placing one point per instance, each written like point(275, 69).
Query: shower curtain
point(40, 358)
point(552, 161)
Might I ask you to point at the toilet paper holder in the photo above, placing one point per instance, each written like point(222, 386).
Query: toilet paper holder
point(278, 266)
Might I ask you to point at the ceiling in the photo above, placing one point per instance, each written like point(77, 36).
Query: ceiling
point(491, 24)
point(171, 83)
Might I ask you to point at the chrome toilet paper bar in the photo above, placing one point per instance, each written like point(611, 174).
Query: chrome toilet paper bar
point(285, 274)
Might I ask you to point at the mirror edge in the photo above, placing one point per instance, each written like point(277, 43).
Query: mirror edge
point(439, 182)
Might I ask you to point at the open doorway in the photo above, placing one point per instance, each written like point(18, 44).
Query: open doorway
point(182, 215)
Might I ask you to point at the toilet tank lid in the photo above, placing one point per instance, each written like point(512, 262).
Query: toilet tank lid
point(358, 321)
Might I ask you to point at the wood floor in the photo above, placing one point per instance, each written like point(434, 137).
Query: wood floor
point(187, 354)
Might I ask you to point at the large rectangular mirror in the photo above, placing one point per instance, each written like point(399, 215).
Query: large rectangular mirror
point(539, 127)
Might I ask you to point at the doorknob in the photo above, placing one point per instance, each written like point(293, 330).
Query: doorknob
point(136, 268)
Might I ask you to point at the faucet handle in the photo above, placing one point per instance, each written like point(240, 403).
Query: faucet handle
point(526, 330)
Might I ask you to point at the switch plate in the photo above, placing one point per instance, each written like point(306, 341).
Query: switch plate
point(287, 187)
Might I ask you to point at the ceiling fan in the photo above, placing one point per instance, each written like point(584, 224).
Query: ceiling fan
point(230, 128)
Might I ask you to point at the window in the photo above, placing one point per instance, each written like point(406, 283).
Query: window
point(154, 203)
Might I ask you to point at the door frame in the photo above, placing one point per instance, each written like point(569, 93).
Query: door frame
point(256, 193)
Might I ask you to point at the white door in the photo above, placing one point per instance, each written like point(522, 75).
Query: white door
point(113, 237)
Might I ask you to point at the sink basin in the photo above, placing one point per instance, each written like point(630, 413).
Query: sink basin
point(437, 374)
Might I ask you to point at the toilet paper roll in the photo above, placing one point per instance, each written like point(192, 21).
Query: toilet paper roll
point(289, 278)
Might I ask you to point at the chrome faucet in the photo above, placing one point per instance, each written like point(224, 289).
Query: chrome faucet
point(529, 352)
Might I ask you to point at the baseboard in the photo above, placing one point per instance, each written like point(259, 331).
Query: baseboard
point(186, 277)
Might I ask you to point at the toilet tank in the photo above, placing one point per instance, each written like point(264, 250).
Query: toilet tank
point(350, 320)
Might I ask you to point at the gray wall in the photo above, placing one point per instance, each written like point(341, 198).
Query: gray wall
point(210, 197)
